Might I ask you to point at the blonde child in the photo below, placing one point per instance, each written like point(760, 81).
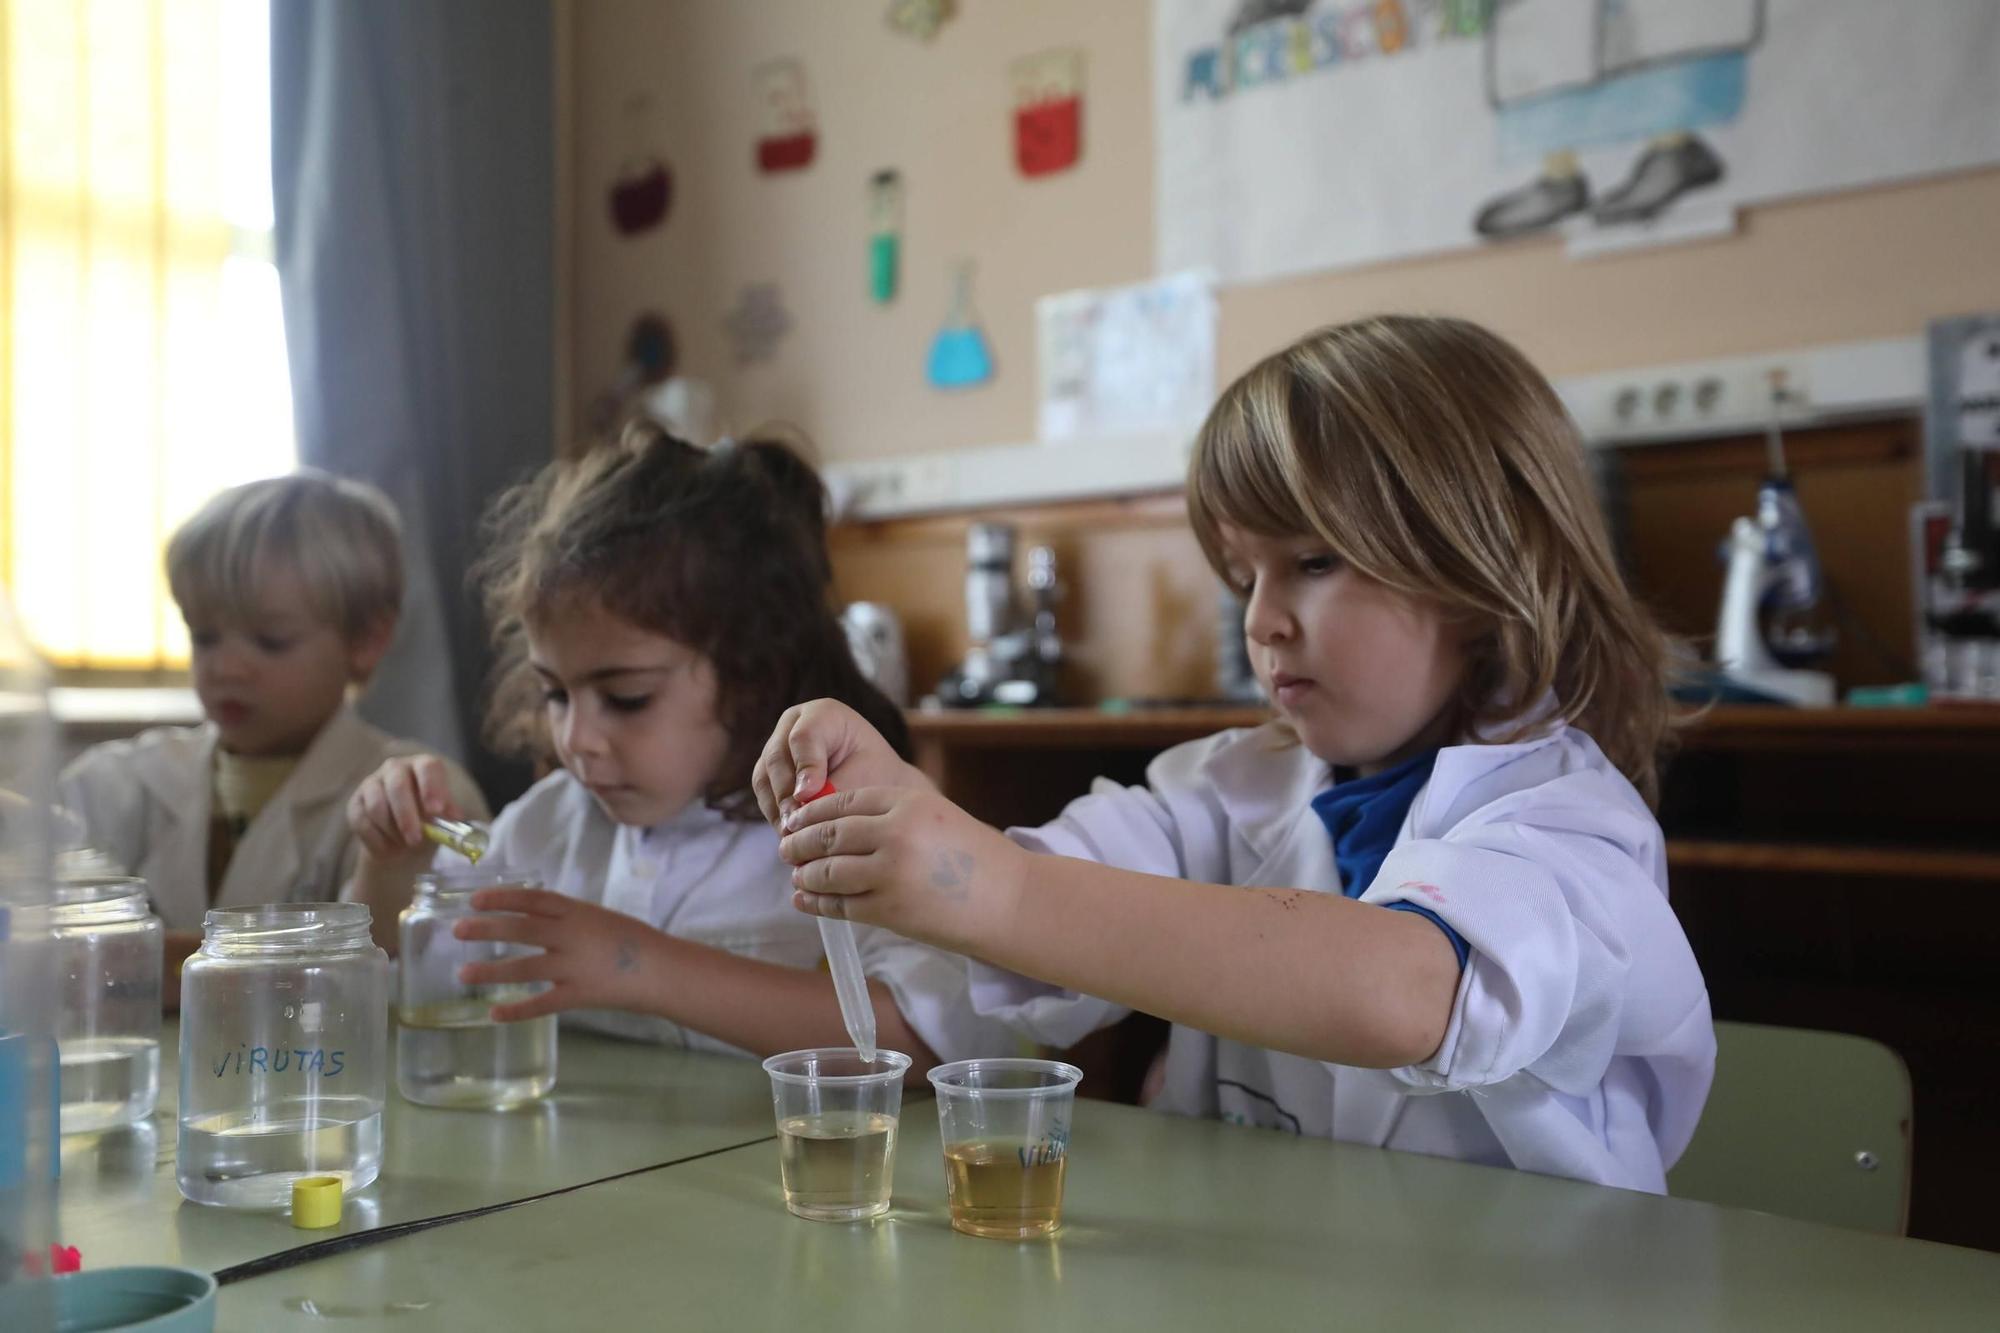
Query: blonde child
point(1424, 908)
point(290, 588)
point(657, 606)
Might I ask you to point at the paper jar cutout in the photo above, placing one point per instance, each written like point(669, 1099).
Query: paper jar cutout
point(787, 129)
point(643, 190)
point(1048, 111)
point(960, 357)
point(640, 196)
point(758, 323)
point(885, 234)
point(920, 18)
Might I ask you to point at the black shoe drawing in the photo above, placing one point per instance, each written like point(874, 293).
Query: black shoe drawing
point(1541, 203)
point(1250, 13)
point(1665, 172)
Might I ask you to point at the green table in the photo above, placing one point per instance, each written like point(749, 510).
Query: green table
point(1169, 1223)
point(645, 1193)
point(618, 1106)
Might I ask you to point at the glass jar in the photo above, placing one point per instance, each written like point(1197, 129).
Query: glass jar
point(449, 1051)
point(284, 1034)
point(28, 1115)
point(108, 958)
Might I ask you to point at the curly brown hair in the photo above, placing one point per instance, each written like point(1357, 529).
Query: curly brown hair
point(722, 549)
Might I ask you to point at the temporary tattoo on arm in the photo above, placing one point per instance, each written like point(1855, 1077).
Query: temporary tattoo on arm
point(951, 874)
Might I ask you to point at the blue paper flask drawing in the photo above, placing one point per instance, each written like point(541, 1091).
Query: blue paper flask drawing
point(960, 357)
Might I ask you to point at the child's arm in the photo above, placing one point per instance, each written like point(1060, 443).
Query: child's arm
point(595, 958)
point(1313, 974)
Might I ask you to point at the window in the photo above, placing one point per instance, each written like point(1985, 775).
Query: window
point(142, 362)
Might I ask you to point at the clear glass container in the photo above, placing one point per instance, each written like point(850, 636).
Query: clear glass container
point(27, 1019)
point(284, 1045)
point(449, 1051)
point(108, 959)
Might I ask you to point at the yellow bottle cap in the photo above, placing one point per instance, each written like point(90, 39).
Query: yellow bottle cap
point(316, 1202)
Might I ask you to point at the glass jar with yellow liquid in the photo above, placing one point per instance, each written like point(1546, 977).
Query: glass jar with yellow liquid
point(449, 1051)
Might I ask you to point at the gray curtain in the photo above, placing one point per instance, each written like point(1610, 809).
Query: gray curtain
point(411, 153)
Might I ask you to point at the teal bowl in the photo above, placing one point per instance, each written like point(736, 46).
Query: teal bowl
point(98, 1300)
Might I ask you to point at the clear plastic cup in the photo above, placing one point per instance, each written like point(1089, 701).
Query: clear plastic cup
point(1005, 1127)
point(837, 1117)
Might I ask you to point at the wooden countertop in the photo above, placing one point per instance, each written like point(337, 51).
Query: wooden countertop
point(1078, 728)
point(1906, 864)
point(1967, 727)
point(1938, 727)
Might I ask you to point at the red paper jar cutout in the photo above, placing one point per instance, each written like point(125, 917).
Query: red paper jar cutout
point(641, 196)
point(787, 128)
point(1048, 112)
point(1047, 137)
point(786, 153)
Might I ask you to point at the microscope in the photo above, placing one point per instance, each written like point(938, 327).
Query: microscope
point(1015, 655)
point(1763, 636)
point(1956, 547)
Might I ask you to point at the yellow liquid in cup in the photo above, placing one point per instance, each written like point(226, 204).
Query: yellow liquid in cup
point(837, 1167)
point(994, 1193)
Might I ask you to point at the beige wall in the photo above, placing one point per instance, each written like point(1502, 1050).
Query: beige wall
point(1870, 264)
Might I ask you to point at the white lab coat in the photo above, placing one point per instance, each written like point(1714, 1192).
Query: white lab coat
point(147, 802)
point(1580, 1042)
point(719, 881)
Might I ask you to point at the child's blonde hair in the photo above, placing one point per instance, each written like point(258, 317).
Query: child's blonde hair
point(1432, 457)
point(341, 538)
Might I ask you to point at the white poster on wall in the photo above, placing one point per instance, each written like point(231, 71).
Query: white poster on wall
point(1126, 360)
point(1295, 135)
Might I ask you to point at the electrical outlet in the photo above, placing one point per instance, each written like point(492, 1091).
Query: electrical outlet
point(1677, 402)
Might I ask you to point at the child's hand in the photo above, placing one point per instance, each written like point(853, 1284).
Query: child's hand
point(387, 811)
point(908, 860)
point(592, 957)
point(817, 743)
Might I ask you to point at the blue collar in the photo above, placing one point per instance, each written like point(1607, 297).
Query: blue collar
point(1363, 817)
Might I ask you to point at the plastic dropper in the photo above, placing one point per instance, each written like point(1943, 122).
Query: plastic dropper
point(843, 959)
